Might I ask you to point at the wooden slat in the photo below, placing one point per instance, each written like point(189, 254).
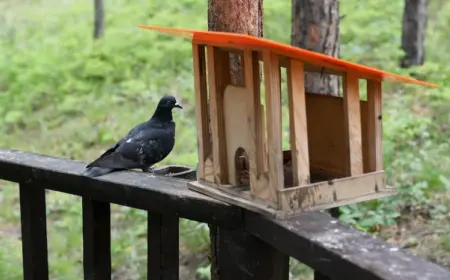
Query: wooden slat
point(298, 123)
point(218, 78)
point(201, 107)
point(256, 149)
point(353, 123)
point(273, 119)
point(252, 85)
point(374, 126)
point(326, 194)
point(96, 239)
point(34, 231)
point(163, 246)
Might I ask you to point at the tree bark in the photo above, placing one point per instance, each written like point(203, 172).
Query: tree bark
point(99, 19)
point(236, 254)
point(237, 16)
point(415, 16)
point(315, 27)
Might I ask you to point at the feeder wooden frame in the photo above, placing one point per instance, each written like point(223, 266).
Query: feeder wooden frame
point(336, 142)
point(353, 123)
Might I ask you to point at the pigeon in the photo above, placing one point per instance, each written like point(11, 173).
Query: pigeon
point(143, 146)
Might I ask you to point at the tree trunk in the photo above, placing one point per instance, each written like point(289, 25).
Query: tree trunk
point(315, 27)
point(237, 16)
point(236, 254)
point(99, 19)
point(415, 16)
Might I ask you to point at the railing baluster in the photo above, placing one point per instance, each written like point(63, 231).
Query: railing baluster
point(96, 239)
point(34, 231)
point(320, 276)
point(237, 254)
point(163, 246)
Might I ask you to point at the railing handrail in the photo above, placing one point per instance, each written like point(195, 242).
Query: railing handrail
point(314, 238)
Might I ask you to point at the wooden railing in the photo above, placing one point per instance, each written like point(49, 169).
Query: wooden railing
point(245, 245)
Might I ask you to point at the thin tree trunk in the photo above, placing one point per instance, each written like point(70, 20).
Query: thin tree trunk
point(315, 27)
point(99, 19)
point(415, 16)
point(237, 16)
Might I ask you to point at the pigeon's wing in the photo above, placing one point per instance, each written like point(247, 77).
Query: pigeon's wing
point(146, 148)
point(133, 132)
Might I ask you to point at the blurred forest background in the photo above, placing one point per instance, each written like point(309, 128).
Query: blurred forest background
point(70, 92)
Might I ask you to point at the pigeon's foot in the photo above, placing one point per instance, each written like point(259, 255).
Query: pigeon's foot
point(148, 169)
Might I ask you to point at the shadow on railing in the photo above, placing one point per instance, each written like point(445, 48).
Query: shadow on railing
point(245, 245)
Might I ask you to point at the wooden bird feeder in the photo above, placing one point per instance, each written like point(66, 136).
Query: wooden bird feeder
point(335, 155)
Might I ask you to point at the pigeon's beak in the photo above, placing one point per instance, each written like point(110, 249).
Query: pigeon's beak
point(178, 106)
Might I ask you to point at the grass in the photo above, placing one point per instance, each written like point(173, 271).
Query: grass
point(62, 94)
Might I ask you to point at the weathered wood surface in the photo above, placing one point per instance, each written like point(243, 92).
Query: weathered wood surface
point(316, 239)
point(163, 247)
point(340, 251)
point(96, 239)
point(240, 255)
point(133, 188)
point(34, 231)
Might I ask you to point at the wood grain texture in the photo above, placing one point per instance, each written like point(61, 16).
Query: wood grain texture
point(201, 107)
point(218, 78)
point(353, 124)
point(374, 132)
point(298, 123)
point(340, 251)
point(273, 119)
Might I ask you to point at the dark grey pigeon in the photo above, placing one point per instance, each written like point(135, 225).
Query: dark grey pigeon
point(144, 145)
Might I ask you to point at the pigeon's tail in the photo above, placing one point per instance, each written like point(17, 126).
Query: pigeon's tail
point(96, 171)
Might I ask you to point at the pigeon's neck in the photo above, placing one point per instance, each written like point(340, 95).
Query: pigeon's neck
point(163, 114)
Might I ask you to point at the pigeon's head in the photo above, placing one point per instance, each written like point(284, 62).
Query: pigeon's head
point(168, 102)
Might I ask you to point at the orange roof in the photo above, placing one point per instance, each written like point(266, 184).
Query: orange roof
point(328, 62)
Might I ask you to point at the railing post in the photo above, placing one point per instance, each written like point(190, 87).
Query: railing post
point(34, 231)
point(236, 254)
point(96, 239)
point(163, 246)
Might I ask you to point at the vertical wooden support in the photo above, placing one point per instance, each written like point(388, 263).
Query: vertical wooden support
point(201, 107)
point(163, 247)
point(254, 108)
point(237, 254)
point(256, 148)
point(34, 231)
point(353, 124)
point(96, 239)
point(298, 123)
point(273, 118)
point(374, 126)
point(218, 79)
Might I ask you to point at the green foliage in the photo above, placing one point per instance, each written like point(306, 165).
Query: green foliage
point(63, 94)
